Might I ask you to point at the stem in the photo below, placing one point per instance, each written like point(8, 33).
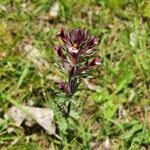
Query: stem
point(71, 88)
point(68, 109)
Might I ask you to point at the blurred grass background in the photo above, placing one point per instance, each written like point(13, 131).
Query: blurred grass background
point(113, 106)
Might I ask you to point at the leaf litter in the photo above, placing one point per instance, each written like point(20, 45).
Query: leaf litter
point(33, 54)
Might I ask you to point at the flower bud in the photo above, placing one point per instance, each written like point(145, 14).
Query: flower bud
point(61, 86)
point(59, 52)
point(62, 35)
point(94, 62)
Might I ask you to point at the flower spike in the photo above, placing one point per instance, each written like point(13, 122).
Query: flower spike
point(78, 46)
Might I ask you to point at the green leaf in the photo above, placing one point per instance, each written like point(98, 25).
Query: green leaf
point(132, 132)
point(109, 110)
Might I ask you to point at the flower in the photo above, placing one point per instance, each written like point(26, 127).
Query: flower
point(59, 52)
point(81, 69)
point(61, 86)
point(77, 41)
point(74, 55)
point(94, 62)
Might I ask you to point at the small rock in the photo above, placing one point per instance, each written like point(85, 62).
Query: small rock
point(54, 9)
point(43, 116)
point(106, 144)
point(10, 130)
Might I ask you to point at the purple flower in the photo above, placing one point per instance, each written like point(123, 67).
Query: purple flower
point(94, 62)
point(59, 52)
point(74, 55)
point(77, 41)
point(61, 86)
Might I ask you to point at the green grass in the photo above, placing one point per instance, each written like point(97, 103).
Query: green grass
point(121, 83)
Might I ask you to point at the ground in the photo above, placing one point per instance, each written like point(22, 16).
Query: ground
point(112, 108)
